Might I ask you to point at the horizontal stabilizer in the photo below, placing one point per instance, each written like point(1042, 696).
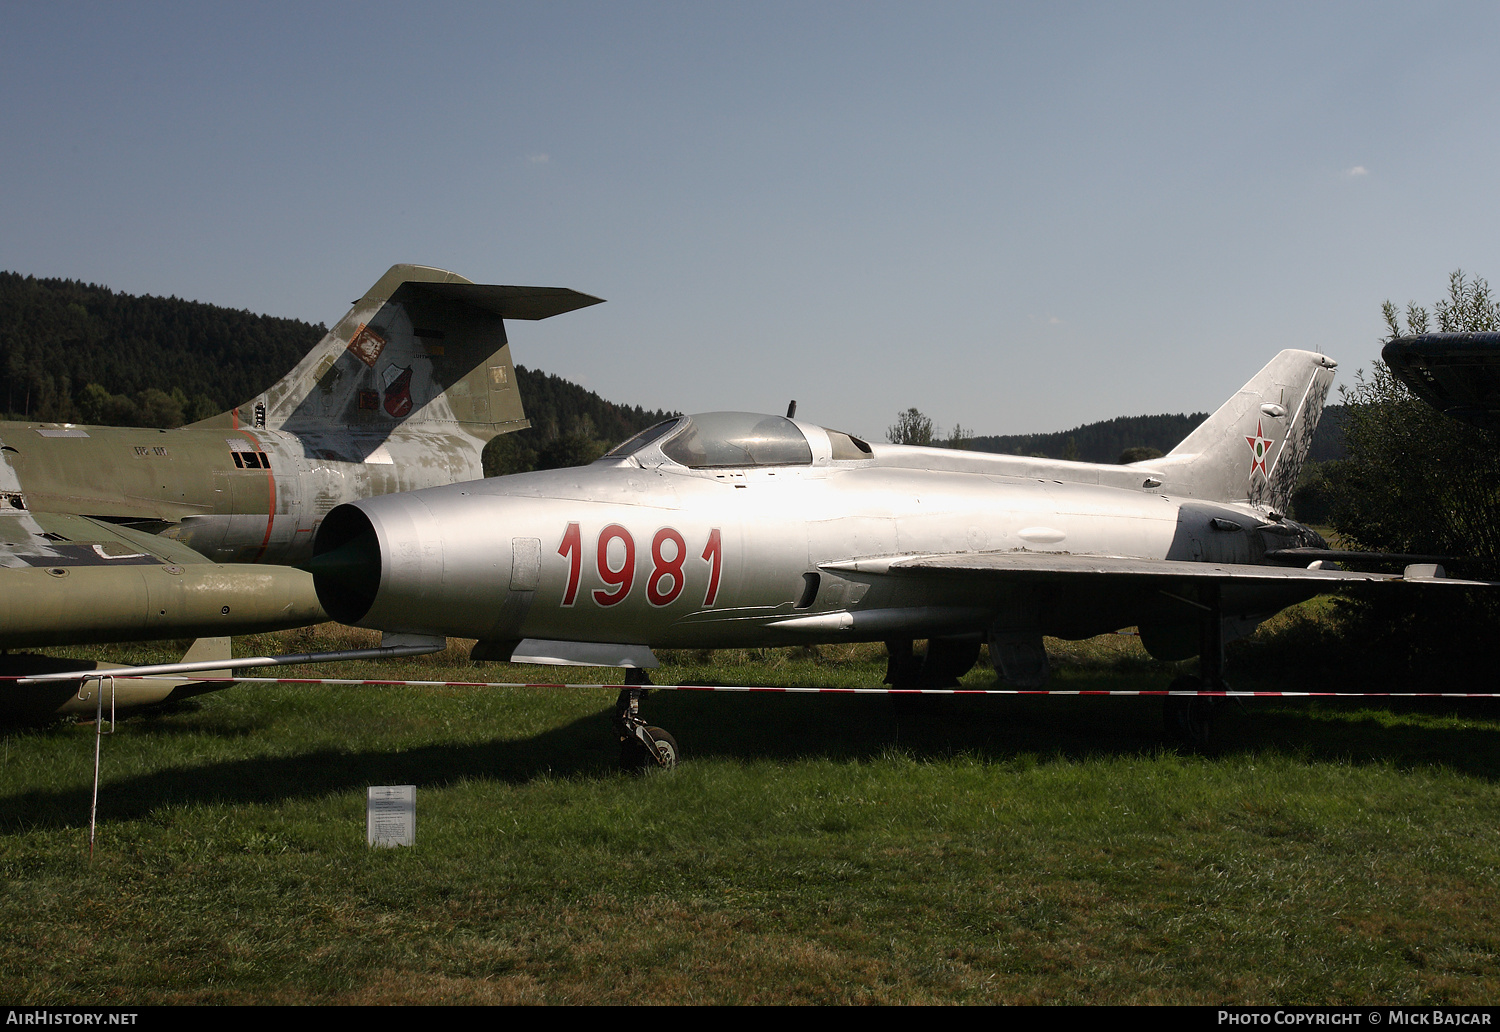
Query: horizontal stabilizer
point(530, 303)
point(1303, 556)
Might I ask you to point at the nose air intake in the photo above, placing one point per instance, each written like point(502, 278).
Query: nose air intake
point(346, 564)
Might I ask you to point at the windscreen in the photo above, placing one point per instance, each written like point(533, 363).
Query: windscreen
point(645, 437)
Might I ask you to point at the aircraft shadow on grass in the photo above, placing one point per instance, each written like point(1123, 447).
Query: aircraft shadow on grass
point(784, 728)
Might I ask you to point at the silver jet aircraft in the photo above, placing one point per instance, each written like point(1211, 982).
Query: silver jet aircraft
point(734, 529)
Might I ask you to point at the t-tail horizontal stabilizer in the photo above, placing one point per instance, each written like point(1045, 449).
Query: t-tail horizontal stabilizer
point(423, 349)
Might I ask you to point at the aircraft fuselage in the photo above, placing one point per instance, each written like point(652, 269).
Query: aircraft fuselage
point(233, 494)
point(674, 557)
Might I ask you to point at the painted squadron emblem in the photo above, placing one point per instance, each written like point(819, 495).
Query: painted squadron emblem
point(1260, 448)
point(366, 345)
point(397, 391)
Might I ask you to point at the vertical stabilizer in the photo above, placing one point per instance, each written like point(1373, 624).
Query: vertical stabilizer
point(1253, 447)
point(424, 349)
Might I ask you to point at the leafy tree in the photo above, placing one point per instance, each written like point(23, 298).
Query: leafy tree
point(1139, 453)
point(100, 408)
point(911, 427)
point(570, 450)
point(959, 437)
point(1415, 480)
point(507, 454)
point(159, 408)
point(1320, 486)
point(1468, 308)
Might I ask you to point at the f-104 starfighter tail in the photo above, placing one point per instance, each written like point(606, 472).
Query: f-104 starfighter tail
point(1253, 447)
point(424, 348)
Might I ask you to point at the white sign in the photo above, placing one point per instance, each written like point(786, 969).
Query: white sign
point(391, 817)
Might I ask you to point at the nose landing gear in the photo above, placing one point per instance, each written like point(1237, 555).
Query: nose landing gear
point(642, 745)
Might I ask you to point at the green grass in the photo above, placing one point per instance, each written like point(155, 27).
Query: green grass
point(810, 849)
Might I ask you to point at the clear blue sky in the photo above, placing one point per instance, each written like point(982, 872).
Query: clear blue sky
point(1019, 217)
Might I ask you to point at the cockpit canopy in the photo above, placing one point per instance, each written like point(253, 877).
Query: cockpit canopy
point(737, 440)
point(713, 440)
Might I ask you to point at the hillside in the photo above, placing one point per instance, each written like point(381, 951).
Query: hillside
point(1106, 440)
point(570, 426)
point(80, 352)
point(152, 361)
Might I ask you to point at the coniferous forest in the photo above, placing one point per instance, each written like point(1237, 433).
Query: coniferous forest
point(80, 352)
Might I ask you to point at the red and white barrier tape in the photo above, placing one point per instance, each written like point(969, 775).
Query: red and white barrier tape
point(1225, 693)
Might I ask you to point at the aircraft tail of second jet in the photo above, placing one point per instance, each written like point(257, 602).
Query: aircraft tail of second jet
point(1253, 447)
point(424, 348)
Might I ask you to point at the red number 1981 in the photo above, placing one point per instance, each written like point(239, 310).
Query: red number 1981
point(667, 578)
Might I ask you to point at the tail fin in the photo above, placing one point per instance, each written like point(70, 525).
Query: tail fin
point(1253, 447)
point(422, 348)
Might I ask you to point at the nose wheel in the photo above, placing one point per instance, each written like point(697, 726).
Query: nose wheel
point(642, 745)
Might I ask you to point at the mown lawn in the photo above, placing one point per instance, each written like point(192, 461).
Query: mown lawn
point(809, 849)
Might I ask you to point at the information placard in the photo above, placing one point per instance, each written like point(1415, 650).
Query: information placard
point(391, 816)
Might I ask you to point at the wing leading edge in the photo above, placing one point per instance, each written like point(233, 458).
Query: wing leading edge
point(1015, 567)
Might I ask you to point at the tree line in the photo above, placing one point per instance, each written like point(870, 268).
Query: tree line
point(570, 426)
point(81, 353)
point(1122, 439)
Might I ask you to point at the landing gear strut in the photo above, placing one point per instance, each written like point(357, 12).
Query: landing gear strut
point(1186, 717)
point(642, 745)
point(947, 660)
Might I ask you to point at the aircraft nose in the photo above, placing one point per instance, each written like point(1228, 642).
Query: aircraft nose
point(346, 564)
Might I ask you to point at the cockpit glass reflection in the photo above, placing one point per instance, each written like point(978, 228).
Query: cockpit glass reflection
point(738, 439)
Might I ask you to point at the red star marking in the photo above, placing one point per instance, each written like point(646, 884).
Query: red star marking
point(1260, 447)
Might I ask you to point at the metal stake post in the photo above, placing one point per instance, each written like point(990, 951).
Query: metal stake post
point(98, 736)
